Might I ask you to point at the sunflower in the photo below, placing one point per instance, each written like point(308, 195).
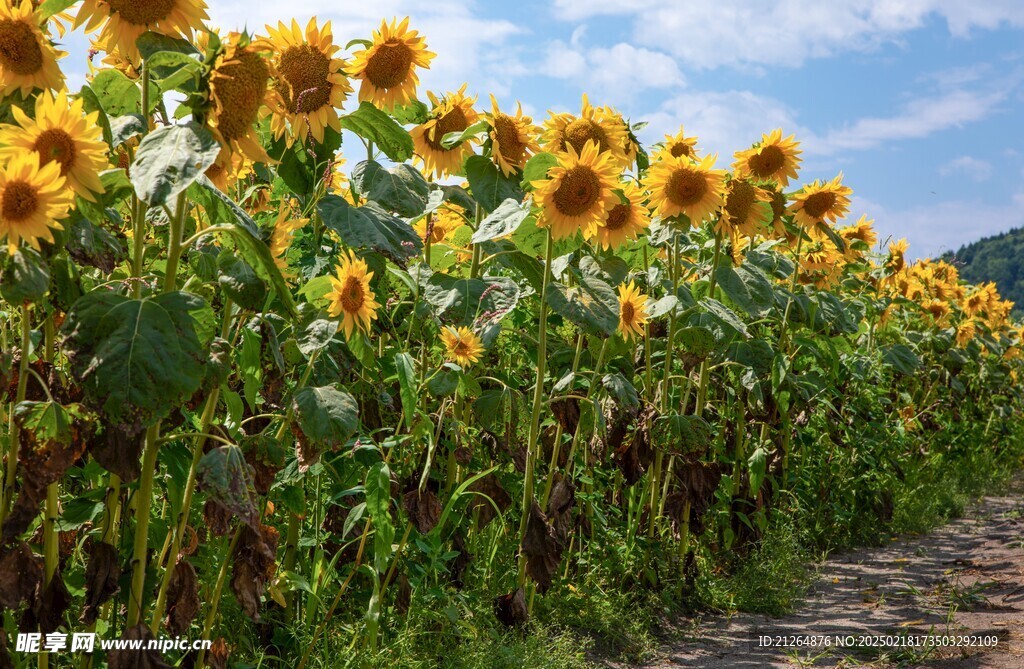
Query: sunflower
point(387, 67)
point(281, 239)
point(774, 159)
point(61, 133)
point(578, 192)
point(442, 222)
point(862, 232)
point(594, 124)
point(32, 198)
point(939, 310)
point(632, 311)
point(821, 201)
point(461, 345)
point(27, 58)
point(124, 21)
point(679, 145)
point(965, 332)
point(228, 169)
point(351, 297)
point(625, 219)
point(897, 255)
point(746, 209)
point(513, 138)
point(452, 113)
point(679, 185)
point(309, 82)
point(238, 91)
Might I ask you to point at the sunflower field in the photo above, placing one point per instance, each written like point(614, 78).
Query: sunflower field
point(380, 403)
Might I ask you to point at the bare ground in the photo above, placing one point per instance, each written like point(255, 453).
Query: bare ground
point(964, 579)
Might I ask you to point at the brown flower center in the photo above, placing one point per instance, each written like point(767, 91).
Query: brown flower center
point(766, 162)
point(56, 145)
point(686, 187)
point(240, 85)
point(304, 85)
point(627, 312)
point(19, 201)
point(741, 198)
point(460, 349)
point(579, 190)
point(142, 12)
point(19, 50)
point(818, 205)
point(617, 217)
point(681, 149)
point(352, 295)
point(581, 131)
point(390, 64)
point(454, 120)
point(507, 133)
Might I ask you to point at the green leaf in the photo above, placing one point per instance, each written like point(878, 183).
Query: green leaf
point(665, 305)
point(240, 282)
point(378, 505)
point(370, 227)
point(621, 389)
point(91, 245)
point(91, 103)
point(747, 287)
point(401, 189)
point(137, 360)
point(374, 125)
point(723, 316)
point(697, 341)
point(25, 276)
point(902, 358)
point(316, 335)
point(171, 158)
point(682, 435)
point(757, 463)
point(225, 476)
point(415, 113)
point(151, 43)
point(49, 422)
point(462, 301)
point(51, 7)
point(118, 95)
point(489, 186)
point(502, 221)
point(453, 139)
point(407, 386)
point(123, 128)
point(328, 417)
point(444, 382)
point(592, 305)
point(172, 70)
point(537, 167)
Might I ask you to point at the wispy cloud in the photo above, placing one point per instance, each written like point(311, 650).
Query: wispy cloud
point(975, 168)
point(603, 71)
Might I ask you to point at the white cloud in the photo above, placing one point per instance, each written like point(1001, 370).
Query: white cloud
point(614, 74)
point(712, 33)
point(975, 168)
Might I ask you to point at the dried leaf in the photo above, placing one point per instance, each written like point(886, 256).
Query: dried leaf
point(253, 567)
point(217, 518)
point(510, 609)
point(133, 658)
point(48, 608)
point(542, 549)
point(182, 598)
point(217, 656)
point(101, 577)
point(21, 573)
point(424, 509)
point(488, 489)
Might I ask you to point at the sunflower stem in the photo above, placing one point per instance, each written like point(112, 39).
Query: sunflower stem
point(12, 447)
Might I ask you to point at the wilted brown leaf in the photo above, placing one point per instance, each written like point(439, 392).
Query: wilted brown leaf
point(487, 489)
point(182, 598)
point(217, 656)
point(542, 549)
point(133, 658)
point(253, 567)
point(510, 609)
point(21, 573)
point(424, 509)
point(101, 576)
point(218, 519)
point(567, 412)
point(48, 606)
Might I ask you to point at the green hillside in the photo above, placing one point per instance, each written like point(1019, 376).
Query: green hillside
point(999, 258)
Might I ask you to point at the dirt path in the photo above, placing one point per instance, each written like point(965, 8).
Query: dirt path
point(965, 579)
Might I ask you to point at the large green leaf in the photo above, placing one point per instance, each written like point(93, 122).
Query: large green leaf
point(489, 186)
point(747, 287)
point(592, 305)
point(24, 276)
point(378, 505)
point(370, 227)
point(226, 477)
point(328, 417)
point(240, 282)
point(462, 301)
point(136, 359)
point(374, 125)
point(407, 386)
point(537, 167)
point(169, 159)
point(502, 221)
point(681, 434)
point(902, 358)
point(400, 189)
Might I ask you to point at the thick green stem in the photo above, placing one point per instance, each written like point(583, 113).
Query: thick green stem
point(474, 268)
point(12, 447)
point(218, 589)
point(137, 597)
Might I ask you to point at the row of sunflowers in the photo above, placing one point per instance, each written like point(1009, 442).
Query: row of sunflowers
point(489, 363)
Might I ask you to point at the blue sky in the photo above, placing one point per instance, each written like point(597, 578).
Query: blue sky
point(918, 102)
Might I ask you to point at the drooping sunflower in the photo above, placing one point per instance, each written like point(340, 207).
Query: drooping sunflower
point(679, 145)
point(461, 345)
point(33, 199)
point(897, 255)
point(239, 89)
point(387, 67)
point(966, 331)
point(351, 297)
point(679, 185)
point(452, 113)
point(863, 232)
point(27, 58)
point(632, 311)
point(821, 201)
point(309, 82)
point(578, 192)
point(746, 209)
point(442, 223)
point(61, 133)
point(281, 239)
point(775, 159)
point(228, 169)
point(625, 219)
point(513, 138)
point(123, 21)
point(939, 310)
point(594, 124)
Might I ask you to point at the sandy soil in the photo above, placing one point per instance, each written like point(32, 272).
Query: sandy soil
point(965, 579)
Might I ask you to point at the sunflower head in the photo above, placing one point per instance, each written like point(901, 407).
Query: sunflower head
point(679, 146)
point(897, 255)
point(281, 239)
point(600, 125)
point(966, 331)
point(461, 345)
point(452, 113)
point(440, 224)
point(238, 92)
point(32, 200)
point(122, 22)
point(350, 296)
point(627, 217)
point(387, 67)
point(774, 159)
point(861, 233)
point(61, 133)
point(27, 57)
point(820, 202)
point(632, 311)
point(578, 192)
point(746, 210)
point(309, 81)
point(513, 138)
point(679, 185)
